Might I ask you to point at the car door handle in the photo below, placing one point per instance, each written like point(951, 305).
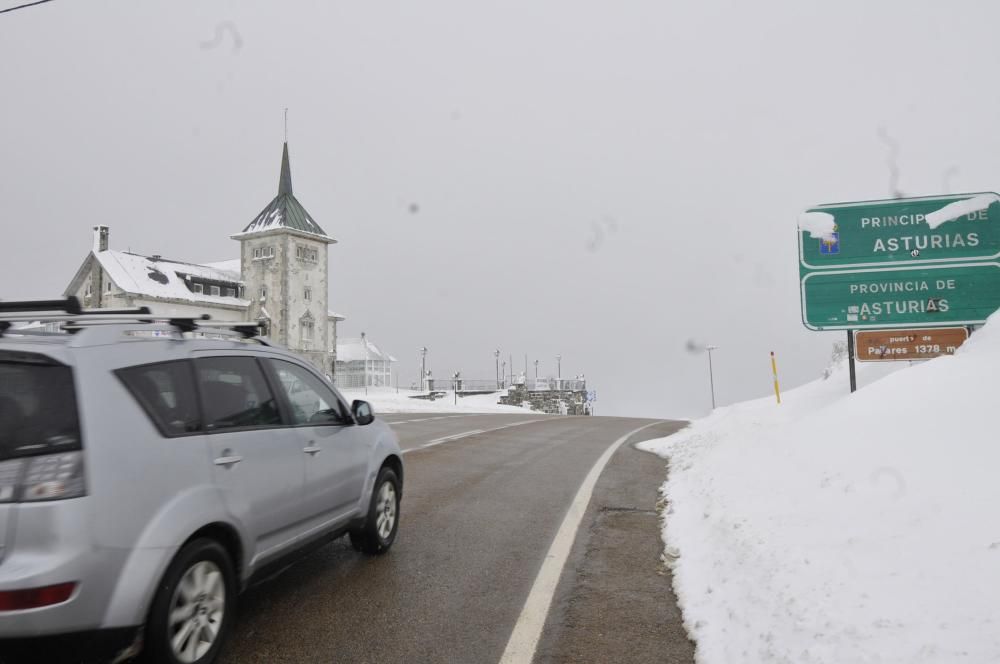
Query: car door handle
point(228, 461)
point(312, 450)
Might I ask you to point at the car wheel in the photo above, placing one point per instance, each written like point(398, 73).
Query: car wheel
point(194, 606)
point(382, 523)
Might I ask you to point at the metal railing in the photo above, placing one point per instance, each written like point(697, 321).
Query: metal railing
point(463, 385)
point(490, 385)
point(555, 384)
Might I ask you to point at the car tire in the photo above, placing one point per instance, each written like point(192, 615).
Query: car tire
point(197, 597)
point(382, 522)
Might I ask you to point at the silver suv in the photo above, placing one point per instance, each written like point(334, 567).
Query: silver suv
point(151, 468)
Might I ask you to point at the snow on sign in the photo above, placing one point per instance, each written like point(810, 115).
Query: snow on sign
point(896, 345)
point(902, 231)
point(907, 262)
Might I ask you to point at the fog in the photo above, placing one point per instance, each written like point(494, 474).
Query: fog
point(615, 183)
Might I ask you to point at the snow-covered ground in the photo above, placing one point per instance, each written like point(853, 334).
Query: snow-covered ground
point(845, 528)
point(386, 400)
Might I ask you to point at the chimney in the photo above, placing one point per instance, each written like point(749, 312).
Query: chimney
point(101, 238)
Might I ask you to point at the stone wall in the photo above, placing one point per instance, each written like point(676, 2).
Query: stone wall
point(548, 401)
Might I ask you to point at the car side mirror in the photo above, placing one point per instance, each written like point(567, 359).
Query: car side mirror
point(363, 413)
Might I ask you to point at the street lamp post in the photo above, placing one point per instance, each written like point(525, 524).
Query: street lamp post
point(365, 344)
point(496, 354)
point(711, 377)
point(536, 371)
point(423, 367)
point(503, 366)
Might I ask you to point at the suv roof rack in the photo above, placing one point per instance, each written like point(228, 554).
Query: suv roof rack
point(69, 311)
point(70, 305)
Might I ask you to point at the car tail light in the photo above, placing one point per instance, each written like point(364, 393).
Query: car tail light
point(45, 477)
point(35, 598)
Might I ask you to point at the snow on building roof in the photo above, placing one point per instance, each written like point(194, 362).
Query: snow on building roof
point(231, 266)
point(353, 350)
point(166, 279)
point(334, 315)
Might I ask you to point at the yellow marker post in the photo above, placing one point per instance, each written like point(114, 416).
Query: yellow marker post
point(774, 370)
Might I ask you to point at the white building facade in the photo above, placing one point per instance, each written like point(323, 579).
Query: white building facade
point(360, 363)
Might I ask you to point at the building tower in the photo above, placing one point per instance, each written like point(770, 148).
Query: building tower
point(285, 268)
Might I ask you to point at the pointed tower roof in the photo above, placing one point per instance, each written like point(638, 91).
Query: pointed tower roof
point(284, 212)
point(285, 180)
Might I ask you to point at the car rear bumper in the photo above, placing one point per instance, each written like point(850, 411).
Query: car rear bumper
point(94, 572)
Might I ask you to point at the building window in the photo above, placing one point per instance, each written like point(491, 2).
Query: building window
point(215, 290)
point(198, 288)
point(307, 294)
point(263, 292)
point(263, 252)
point(107, 287)
point(87, 292)
point(307, 333)
point(306, 253)
point(242, 291)
point(230, 292)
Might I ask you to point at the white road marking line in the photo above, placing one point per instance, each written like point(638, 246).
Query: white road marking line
point(458, 436)
point(524, 639)
point(445, 439)
point(424, 419)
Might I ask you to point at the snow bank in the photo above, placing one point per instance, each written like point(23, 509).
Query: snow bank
point(385, 400)
point(844, 528)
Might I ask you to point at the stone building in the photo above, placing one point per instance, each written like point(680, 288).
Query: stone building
point(281, 279)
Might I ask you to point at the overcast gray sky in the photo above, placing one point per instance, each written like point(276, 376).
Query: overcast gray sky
point(605, 180)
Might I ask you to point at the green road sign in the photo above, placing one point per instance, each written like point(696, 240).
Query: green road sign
point(876, 234)
point(927, 296)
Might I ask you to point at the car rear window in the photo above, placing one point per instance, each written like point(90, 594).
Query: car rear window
point(165, 390)
point(38, 409)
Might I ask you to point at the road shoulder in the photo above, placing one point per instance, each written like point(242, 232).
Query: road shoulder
point(615, 599)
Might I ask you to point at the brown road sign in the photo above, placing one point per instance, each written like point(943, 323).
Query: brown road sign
point(895, 345)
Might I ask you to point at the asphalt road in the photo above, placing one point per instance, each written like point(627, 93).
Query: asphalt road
point(479, 513)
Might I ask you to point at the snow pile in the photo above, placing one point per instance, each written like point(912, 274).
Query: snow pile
point(960, 208)
point(844, 528)
point(386, 400)
point(819, 225)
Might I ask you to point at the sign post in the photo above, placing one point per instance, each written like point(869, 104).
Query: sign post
point(850, 361)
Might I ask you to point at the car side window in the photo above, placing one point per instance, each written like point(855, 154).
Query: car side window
point(310, 400)
point(165, 390)
point(234, 394)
